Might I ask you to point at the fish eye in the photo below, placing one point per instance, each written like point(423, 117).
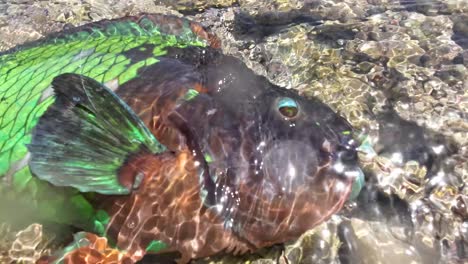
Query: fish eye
point(287, 107)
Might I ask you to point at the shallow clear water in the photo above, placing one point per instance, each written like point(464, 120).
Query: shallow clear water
point(397, 70)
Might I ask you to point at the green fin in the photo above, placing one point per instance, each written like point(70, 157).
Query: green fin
point(85, 137)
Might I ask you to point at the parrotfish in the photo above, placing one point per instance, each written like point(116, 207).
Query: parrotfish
point(141, 132)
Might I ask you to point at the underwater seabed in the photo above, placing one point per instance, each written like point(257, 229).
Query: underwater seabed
point(397, 70)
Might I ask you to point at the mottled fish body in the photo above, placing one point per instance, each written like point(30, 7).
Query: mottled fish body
point(141, 131)
point(98, 51)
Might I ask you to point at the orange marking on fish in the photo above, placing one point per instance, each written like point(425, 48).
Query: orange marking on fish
point(200, 88)
point(214, 41)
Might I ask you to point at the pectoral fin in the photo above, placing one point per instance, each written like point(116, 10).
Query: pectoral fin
point(86, 136)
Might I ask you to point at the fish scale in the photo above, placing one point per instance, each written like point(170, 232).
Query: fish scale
point(26, 72)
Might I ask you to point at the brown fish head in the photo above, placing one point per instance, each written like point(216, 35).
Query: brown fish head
point(305, 163)
point(275, 164)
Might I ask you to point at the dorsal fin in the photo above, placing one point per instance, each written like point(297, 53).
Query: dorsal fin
point(182, 30)
point(85, 137)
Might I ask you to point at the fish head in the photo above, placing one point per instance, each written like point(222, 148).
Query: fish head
point(276, 163)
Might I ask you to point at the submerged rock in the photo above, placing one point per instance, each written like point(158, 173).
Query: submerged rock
point(373, 242)
point(25, 247)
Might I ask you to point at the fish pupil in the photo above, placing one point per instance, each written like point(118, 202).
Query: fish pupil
point(288, 111)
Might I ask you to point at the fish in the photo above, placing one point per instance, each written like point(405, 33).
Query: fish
point(145, 135)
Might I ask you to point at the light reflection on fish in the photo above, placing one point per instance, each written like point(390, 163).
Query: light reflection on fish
point(188, 151)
